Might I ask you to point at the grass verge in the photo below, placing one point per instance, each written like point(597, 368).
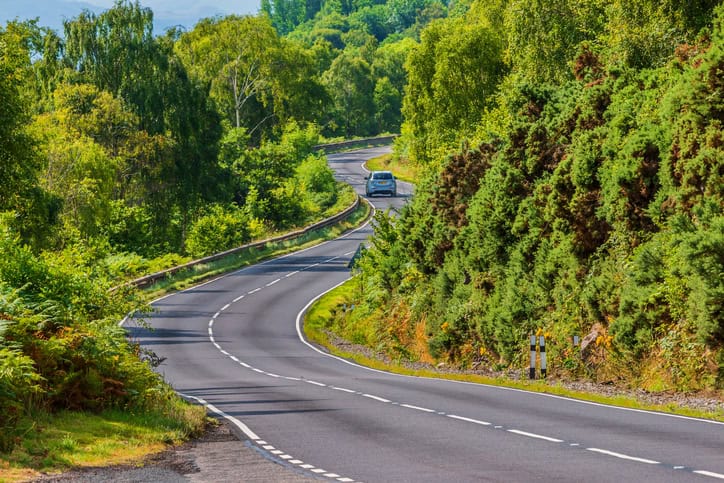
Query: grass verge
point(55, 442)
point(319, 320)
point(402, 170)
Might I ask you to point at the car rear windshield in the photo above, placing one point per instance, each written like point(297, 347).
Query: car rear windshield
point(382, 176)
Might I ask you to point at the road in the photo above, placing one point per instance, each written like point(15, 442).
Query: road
point(235, 343)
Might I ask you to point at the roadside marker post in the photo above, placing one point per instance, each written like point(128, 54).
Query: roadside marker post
point(532, 357)
point(543, 363)
point(540, 342)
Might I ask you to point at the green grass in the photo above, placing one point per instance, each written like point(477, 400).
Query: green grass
point(318, 320)
point(55, 442)
point(401, 169)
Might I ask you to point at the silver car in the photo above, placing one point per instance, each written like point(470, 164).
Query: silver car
point(381, 182)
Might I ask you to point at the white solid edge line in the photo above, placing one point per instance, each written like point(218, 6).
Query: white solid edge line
point(301, 337)
point(536, 436)
point(709, 473)
point(623, 456)
point(243, 427)
point(469, 420)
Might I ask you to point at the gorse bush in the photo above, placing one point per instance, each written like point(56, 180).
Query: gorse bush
point(600, 206)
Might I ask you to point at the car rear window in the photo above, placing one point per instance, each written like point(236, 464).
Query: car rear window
point(381, 175)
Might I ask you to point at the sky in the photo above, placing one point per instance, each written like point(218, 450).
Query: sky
point(166, 13)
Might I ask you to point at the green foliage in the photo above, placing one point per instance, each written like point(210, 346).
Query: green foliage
point(220, 229)
point(596, 202)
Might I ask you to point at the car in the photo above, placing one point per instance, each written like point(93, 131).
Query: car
point(381, 182)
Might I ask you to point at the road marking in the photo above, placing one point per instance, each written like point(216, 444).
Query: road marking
point(346, 480)
point(296, 462)
point(273, 282)
point(254, 291)
point(623, 456)
point(211, 331)
point(225, 307)
point(276, 452)
point(315, 383)
point(216, 315)
point(418, 408)
point(300, 335)
point(331, 475)
point(239, 298)
point(224, 352)
point(376, 398)
point(343, 389)
point(306, 466)
point(291, 274)
point(268, 447)
point(318, 470)
point(211, 323)
point(533, 435)
point(474, 421)
point(718, 476)
point(243, 427)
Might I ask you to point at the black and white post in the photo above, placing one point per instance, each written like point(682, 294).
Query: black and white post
point(543, 365)
point(532, 357)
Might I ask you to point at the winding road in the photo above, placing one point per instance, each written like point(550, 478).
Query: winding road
point(235, 343)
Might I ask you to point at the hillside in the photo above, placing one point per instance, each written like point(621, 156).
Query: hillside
point(587, 200)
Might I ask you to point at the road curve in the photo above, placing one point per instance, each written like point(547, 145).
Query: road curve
point(235, 344)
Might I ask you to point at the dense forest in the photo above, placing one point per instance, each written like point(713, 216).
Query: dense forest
point(574, 160)
point(124, 151)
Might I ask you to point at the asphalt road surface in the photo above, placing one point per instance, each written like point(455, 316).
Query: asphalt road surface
point(235, 343)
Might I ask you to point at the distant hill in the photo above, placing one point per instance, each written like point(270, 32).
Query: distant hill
point(167, 13)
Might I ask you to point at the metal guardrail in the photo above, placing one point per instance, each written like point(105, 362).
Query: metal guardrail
point(149, 279)
point(376, 141)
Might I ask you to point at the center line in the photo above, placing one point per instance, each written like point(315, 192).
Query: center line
point(254, 291)
point(623, 456)
point(710, 473)
point(343, 389)
point(376, 398)
point(537, 436)
point(272, 283)
point(316, 383)
point(410, 406)
point(474, 421)
point(292, 273)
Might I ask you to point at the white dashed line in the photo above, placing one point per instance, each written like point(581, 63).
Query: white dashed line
point(623, 456)
point(331, 475)
point(343, 389)
point(291, 274)
point(296, 462)
point(239, 298)
point(276, 452)
point(474, 421)
point(536, 436)
point(306, 466)
point(718, 476)
point(376, 398)
point(216, 315)
point(225, 307)
point(418, 408)
point(318, 470)
point(254, 291)
point(273, 282)
point(286, 457)
point(315, 383)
